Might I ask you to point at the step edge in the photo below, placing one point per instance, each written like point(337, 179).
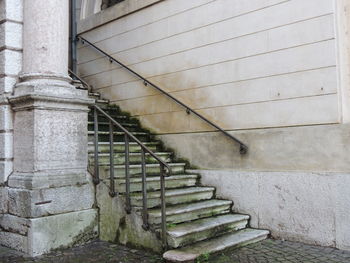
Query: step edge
point(261, 235)
point(198, 230)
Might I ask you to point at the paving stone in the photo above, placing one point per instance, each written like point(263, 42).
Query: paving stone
point(268, 251)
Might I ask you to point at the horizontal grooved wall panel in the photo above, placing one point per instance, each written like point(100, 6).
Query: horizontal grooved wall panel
point(244, 64)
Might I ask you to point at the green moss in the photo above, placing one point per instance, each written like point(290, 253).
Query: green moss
point(203, 258)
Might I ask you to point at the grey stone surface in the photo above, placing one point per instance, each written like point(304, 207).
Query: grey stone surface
point(236, 239)
point(65, 230)
point(11, 9)
point(50, 201)
point(14, 224)
point(206, 228)
point(118, 226)
point(3, 199)
point(191, 211)
point(41, 235)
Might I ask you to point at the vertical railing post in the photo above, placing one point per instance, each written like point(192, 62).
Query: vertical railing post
point(96, 178)
point(127, 175)
point(163, 204)
point(112, 192)
point(144, 191)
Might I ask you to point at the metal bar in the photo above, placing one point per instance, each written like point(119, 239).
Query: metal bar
point(96, 165)
point(144, 192)
point(73, 36)
point(133, 137)
point(81, 80)
point(112, 192)
point(127, 175)
point(243, 148)
point(163, 205)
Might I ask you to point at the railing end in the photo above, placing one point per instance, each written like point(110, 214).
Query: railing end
point(96, 181)
point(243, 149)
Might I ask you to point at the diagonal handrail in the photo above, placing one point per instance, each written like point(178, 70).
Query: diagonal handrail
point(243, 149)
point(80, 79)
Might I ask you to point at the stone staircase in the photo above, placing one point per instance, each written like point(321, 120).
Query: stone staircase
point(197, 222)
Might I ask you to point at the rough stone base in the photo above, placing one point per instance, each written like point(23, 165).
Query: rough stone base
point(41, 235)
point(117, 226)
point(3, 199)
point(50, 201)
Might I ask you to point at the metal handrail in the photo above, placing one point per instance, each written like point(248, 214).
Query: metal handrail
point(165, 170)
point(80, 79)
point(243, 149)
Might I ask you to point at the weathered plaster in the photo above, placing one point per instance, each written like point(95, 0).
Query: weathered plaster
point(305, 148)
point(301, 206)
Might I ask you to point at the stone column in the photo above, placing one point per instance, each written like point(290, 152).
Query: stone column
point(50, 198)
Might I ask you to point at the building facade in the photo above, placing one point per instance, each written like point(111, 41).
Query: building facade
point(273, 73)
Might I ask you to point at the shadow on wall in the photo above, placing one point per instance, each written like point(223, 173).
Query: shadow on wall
point(90, 7)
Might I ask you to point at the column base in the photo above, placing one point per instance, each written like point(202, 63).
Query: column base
point(41, 235)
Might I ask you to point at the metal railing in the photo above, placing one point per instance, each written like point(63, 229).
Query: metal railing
point(243, 149)
point(165, 169)
point(88, 87)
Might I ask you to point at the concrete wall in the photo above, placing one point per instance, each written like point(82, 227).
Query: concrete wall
point(11, 20)
point(307, 207)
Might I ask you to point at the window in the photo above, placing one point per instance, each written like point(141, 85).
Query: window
point(109, 3)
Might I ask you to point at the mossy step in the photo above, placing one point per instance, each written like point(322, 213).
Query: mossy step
point(153, 183)
point(118, 136)
point(232, 240)
point(104, 126)
point(135, 169)
point(202, 229)
point(94, 95)
point(102, 118)
point(103, 147)
point(192, 211)
point(134, 158)
point(175, 196)
point(103, 104)
point(91, 133)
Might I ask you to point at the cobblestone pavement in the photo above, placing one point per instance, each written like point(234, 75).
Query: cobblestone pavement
point(270, 251)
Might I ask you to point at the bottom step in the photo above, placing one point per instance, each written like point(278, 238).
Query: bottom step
point(236, 239)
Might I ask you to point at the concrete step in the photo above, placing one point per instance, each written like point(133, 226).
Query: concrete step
point(103, 147)
point(236, 239)
point(135, 158)
point(118, 136)
point(202, 229)
point(135, 170)
point(192, 211)
point(94, 95)
point(104, 126)
point(102, 118)
point(175, 196)
point(153, 184)
point(101, 102)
